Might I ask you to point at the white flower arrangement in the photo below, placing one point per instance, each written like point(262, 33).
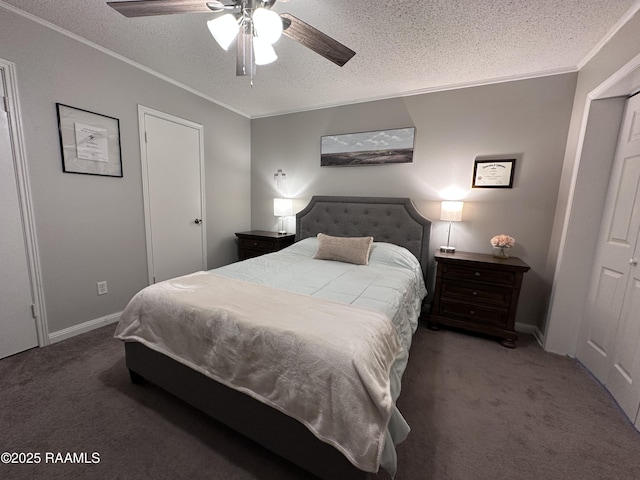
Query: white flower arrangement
point(503, 241)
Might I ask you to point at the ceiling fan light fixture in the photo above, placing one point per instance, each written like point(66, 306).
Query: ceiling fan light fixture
point(268, 24)
point(263, 52)
point(224, 29)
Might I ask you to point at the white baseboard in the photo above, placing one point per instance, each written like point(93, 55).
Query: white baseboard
point(531, 330)
point(539, 336)
point(83, 327)
point(114, 317)
point(525, 328)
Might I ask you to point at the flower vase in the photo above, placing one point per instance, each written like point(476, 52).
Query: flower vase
point(500, 252)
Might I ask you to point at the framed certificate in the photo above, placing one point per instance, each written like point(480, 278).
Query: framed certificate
point(493, 173)
point(89, 142)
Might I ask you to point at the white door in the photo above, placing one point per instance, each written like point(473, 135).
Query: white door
point(623, 380)
point(17, 325)
point(609, 343)
point(173, 181)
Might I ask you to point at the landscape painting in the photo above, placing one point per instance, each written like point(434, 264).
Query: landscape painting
point(368, 148)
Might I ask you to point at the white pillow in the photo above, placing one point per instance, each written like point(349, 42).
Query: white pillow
point(344, 249)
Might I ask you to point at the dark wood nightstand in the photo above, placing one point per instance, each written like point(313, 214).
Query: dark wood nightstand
point(477, 292)
point(258, 242)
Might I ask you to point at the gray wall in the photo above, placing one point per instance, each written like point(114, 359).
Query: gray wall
point(527, 119)
point(92, 228)
point(585, 178)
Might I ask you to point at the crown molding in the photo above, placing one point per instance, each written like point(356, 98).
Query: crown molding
point(122, 58)
point(422, 91)
point(629, 14)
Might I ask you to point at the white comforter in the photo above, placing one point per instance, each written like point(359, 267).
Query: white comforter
point(392, 283)
point(333, 360)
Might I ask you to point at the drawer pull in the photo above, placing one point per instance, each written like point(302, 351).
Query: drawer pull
point(471, 312)
point(477, 274)
point(255, 244)
point(475, 294)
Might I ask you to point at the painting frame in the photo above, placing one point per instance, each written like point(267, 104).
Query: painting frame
point(496, 173)
point(89, 142)
point(379, 147)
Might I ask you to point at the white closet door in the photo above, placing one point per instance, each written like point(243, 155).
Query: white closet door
point(623, 379)
point(173, 168)
point(609, 342)
point(17, 325)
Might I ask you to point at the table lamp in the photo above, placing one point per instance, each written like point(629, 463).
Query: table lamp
point(451, 212)
point(282, 207)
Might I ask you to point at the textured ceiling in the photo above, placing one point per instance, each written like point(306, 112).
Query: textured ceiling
point(402, 46)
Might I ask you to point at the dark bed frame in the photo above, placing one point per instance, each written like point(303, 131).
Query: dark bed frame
point(392, 220)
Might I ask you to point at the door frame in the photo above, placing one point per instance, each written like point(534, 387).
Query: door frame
point(142, 111)
point(25, 201)
point(568, 297)
point(607, 317)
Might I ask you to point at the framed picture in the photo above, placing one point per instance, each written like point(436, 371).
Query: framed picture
point(89, 142)
point(368, 148)
point(493, 173)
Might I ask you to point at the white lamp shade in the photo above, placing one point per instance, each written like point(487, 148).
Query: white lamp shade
point(268, 25)
point(263, 52)
point(224, 29)
point(282, 207)
point(451, 211)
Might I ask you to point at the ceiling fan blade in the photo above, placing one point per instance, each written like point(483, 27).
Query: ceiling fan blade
point(144, 8)
point(315, 40)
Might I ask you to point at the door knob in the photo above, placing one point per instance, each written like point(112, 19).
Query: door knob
point(198, 221)
point(633, 262)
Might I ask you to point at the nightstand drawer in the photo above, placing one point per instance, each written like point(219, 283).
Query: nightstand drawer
point(473, 312)
point(259, 244)
point(479, 274)
point(477, 293)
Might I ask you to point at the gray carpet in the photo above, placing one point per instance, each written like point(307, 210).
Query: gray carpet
point(478, 411)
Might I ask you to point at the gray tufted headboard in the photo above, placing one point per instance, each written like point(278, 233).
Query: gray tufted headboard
point(392, 220)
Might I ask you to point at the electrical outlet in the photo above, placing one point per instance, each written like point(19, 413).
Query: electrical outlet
point(102, 288)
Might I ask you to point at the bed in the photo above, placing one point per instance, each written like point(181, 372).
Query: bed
point(258, 301)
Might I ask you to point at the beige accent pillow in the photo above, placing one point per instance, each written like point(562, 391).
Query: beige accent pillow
point(344, 249)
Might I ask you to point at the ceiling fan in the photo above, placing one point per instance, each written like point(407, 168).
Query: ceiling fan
point(251, 23)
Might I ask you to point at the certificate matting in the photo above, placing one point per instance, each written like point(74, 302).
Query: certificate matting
point(493, 173)
point(89, 142)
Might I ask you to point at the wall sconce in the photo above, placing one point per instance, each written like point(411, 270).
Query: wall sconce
point(281, 181)
point(451, 212)
point(282, 207)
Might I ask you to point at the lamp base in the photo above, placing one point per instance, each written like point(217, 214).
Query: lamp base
point(281, 230)
point(447, 249)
